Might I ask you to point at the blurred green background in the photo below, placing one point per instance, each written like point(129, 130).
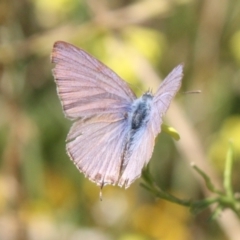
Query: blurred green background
point(42, 194)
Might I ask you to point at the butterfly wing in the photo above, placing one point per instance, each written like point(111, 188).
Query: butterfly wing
point(142, 144)
point(164, 95)
point(137, 156)
point(99, 100)
point(96, 147)
point(87, 87)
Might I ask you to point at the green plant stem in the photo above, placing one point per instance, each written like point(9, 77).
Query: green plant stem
point(228, 172)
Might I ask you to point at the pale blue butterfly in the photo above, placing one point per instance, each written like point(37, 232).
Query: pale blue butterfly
point(113, 135)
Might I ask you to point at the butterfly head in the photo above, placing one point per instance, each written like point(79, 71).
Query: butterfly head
point(147, 95)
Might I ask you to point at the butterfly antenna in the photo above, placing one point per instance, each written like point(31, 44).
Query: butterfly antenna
point(194, 91)
point(150, 91)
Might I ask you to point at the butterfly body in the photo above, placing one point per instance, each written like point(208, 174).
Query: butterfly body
point(113, 135)
point(141, 109)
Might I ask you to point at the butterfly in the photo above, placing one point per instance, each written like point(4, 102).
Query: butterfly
point(113, 134)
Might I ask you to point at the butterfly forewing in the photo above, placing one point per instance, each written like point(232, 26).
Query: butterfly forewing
point(164, 95)
point(84, 84)
point(168, 89)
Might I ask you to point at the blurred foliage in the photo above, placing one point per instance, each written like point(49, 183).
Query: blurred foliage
point(230, 129)
point(42, 194)
point(223, 199)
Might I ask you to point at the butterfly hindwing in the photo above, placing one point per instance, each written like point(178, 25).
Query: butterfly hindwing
point(137, 156)
point(96, 148)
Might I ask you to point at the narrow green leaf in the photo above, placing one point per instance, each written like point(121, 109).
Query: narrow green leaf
point(207, 180)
